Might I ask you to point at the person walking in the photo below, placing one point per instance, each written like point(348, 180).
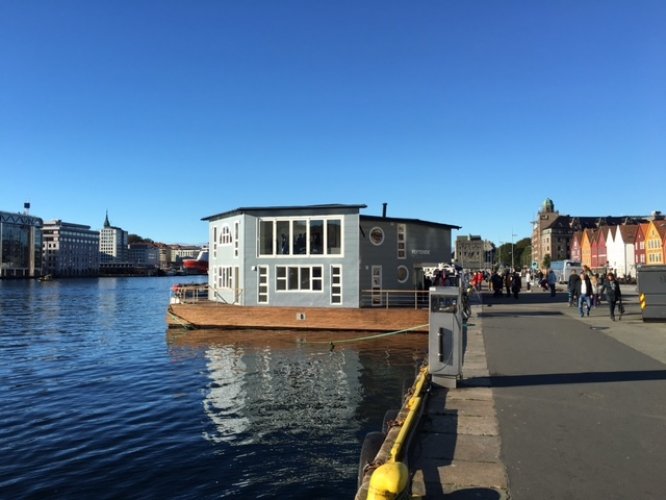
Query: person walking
point(597, 283)
point(611, 289)
point(573, 285)
point(528, 280)
point(585, 293)
point(515, 284)
point(507, 282)
point(552, 281)
point(497, 282)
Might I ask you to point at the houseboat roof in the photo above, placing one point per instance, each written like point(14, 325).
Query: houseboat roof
point(328, 207)
point(295, 208)
point(380, 218)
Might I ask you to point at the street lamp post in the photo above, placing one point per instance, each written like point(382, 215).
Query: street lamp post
point(500, 257)
point(513, 267)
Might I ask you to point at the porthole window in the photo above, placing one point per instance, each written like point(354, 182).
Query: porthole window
point(376, 236)
point(403, 274)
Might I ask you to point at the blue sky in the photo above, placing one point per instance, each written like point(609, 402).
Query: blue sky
point(461, 112)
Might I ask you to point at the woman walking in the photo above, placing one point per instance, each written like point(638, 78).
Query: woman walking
point(613, 295)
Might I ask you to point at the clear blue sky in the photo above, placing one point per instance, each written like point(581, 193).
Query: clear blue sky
point(461, 112)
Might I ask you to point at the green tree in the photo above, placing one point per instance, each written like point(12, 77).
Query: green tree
point(546, 261)
point(135, 238)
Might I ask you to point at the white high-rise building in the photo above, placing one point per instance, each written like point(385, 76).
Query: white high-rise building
point(113, 243)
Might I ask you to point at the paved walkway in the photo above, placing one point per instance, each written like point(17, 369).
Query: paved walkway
point(570, 408)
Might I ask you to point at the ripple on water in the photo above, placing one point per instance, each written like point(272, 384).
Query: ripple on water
point(99, 400)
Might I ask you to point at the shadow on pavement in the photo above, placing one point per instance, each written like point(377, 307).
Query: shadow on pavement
point(563, 378)
point(489, 299)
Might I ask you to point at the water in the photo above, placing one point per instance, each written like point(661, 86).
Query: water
point(100, 399)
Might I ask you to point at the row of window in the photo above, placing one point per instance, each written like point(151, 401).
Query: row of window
point(308, 236)
point(300, 237)
point(287, 279)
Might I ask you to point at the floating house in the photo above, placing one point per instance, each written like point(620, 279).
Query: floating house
point(311, 260)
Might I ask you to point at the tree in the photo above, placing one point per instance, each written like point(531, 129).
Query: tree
point(546, 261)
point(135, 238)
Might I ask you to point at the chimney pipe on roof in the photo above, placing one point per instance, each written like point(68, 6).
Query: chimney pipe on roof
point(384, 210)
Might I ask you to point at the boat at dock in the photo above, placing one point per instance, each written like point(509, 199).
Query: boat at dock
point(227, 316)
point(189, 307)
point(196, 266)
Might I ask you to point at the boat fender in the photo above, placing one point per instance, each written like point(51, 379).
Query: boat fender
point(371, 445)
point(388, 481)
point(390, 420)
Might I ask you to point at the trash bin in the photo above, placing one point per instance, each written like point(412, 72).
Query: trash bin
point(445, 340)
point(652, 292)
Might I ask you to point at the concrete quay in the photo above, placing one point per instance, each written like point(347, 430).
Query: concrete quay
point(550, 405)
point(457, 450)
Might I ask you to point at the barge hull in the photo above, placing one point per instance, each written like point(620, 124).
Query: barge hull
point(223, 316)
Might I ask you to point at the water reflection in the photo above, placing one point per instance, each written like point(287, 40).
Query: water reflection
point(263, 387)
point(225, 401)
point(271, 387)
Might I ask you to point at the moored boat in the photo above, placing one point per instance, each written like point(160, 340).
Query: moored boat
point(199, 265)
point(190, 307)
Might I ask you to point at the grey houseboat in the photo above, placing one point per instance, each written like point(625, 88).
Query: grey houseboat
point(299, 263)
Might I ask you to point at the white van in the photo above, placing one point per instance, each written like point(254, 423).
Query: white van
point(564, 268)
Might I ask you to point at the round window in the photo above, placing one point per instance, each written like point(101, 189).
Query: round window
point(403, 274)
point(377, 236)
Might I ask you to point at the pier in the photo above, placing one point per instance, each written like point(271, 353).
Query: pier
point(550, 405)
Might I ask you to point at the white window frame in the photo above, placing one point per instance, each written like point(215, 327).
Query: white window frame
point(336, 285)
point(380, 231)
point(263, 284)
point(406, 274)
point(402, 241)
point(236, 238)
point(226, 237)
point(275, 250)
point(283, 284)
point(376, 285)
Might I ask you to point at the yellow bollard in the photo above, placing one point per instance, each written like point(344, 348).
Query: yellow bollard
point(388, 481)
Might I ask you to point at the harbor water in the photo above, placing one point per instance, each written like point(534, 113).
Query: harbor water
point(101, 400)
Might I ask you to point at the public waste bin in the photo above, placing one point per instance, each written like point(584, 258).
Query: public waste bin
point(445, 340)
point(652, 292)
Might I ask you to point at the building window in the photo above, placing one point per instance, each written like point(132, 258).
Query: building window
point(377, 236)
point(236, 237)
point(225, 235)
point(402, 241)
point(319, 236)
point(262, 285)
point(298, 278)
point(336, 284)
point(376, 285)
point(225, 277)
point(403, 274)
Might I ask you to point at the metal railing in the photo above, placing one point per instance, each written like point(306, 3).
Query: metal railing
point(414, 299)
point(189, 293)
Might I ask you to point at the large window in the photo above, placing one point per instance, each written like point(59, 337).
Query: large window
point(316, 236)
point(225, 277)
point(298, 278)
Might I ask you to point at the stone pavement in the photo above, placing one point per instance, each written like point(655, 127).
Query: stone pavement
point(456, 453)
